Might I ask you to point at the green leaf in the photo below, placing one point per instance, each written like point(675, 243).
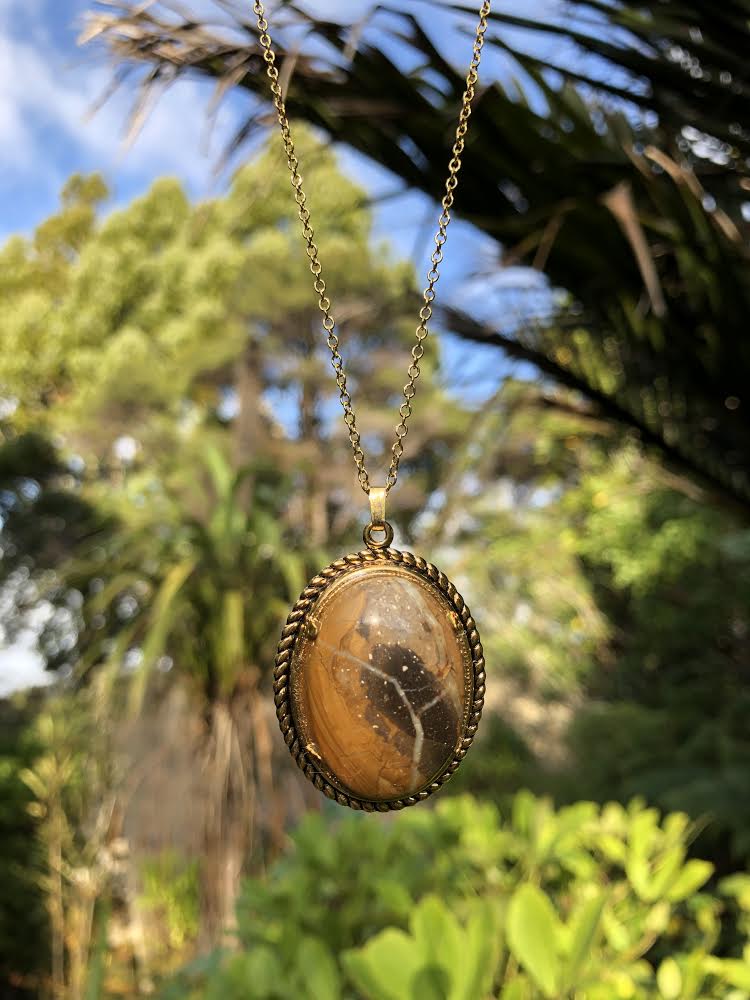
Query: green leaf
point(293, 570)
point(692, 876)
point(670, 863)
point(384, 967)
point(737, 886)
point(642, 826)
point(161, 620)
point(612, 847)
point(516, 990)
point(220, 471)
point(736, 973)
point(533, 931)
point(639, 876)
point(321, 975)
point(34, 783)
point(230, 643)
point(525, 808)
point(481, 953)
point(564, 828)
point(432, 982)
point(657, 917)
point(584, 926)
point(395, 897)
point(669, 979)
point(437, 933)
point(260, 971)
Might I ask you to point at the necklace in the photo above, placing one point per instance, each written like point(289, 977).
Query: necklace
point(379, 677)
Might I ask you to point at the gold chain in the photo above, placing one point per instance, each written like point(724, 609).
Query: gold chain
point(319, 284)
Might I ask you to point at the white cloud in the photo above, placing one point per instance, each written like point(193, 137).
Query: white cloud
point(47, 93)
point(37, 98)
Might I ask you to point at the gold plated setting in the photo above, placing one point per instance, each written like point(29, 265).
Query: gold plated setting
point(297, 637)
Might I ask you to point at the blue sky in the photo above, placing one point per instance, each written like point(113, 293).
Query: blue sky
point(49, 86)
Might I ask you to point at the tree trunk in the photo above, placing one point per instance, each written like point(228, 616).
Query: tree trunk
point(229, 797)
point(249, 424)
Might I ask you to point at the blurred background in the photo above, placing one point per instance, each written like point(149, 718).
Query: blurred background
point(174, 467)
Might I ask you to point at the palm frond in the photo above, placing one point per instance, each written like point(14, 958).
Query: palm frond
point(625, 182)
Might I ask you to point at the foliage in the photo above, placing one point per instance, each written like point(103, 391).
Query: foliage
point(167, 394)
point(204, 594)
point(45, 520)
point(632, 139)
point(459, 903)
point(169, 324)
point(170, 887)
point(23, 925)
point(673, 576)
point(166, 274)
point(176, 582)
point(615, 608)
point(171, 470)
point(74, 784)
point(109, 349)
point(202, 337)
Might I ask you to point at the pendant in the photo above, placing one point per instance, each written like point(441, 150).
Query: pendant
point(379, 679)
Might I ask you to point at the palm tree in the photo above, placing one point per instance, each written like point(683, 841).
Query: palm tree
point(620, 171)
point(200, 587)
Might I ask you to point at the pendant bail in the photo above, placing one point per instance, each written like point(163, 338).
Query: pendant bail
point(378, 523)
point(377, 496)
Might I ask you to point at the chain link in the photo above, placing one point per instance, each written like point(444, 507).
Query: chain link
point(319, 284)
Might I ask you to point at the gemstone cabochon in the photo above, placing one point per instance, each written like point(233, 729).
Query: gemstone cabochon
point(381, 682)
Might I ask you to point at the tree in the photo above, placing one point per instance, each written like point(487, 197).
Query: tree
point(23, 929)
point(168, 316)
point(614, 605)
point(205, 594)
point(75, 789)
point(173, 352)
point(635, 142)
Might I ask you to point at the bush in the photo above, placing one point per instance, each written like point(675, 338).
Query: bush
point(457, 903)
point(23, 921)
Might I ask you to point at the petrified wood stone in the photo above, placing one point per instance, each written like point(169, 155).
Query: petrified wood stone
point(381, 683)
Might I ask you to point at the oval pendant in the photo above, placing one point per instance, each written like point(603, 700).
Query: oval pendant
point(379, 680)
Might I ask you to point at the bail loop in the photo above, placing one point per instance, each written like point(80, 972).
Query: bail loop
point(378, 523)
point(378, 543)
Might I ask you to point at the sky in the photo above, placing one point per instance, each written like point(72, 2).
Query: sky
point(49, 87)
point(49, 128)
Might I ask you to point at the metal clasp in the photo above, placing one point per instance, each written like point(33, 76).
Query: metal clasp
point(378, 523)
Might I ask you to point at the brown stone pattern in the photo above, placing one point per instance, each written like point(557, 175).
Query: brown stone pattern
point(380, 692)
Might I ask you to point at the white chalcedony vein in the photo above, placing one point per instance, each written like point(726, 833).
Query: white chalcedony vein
point(415, 717)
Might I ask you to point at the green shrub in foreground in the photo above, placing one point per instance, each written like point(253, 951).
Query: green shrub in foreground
point(457, 903)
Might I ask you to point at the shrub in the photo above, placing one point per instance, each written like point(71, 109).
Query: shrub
point(459, 903)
